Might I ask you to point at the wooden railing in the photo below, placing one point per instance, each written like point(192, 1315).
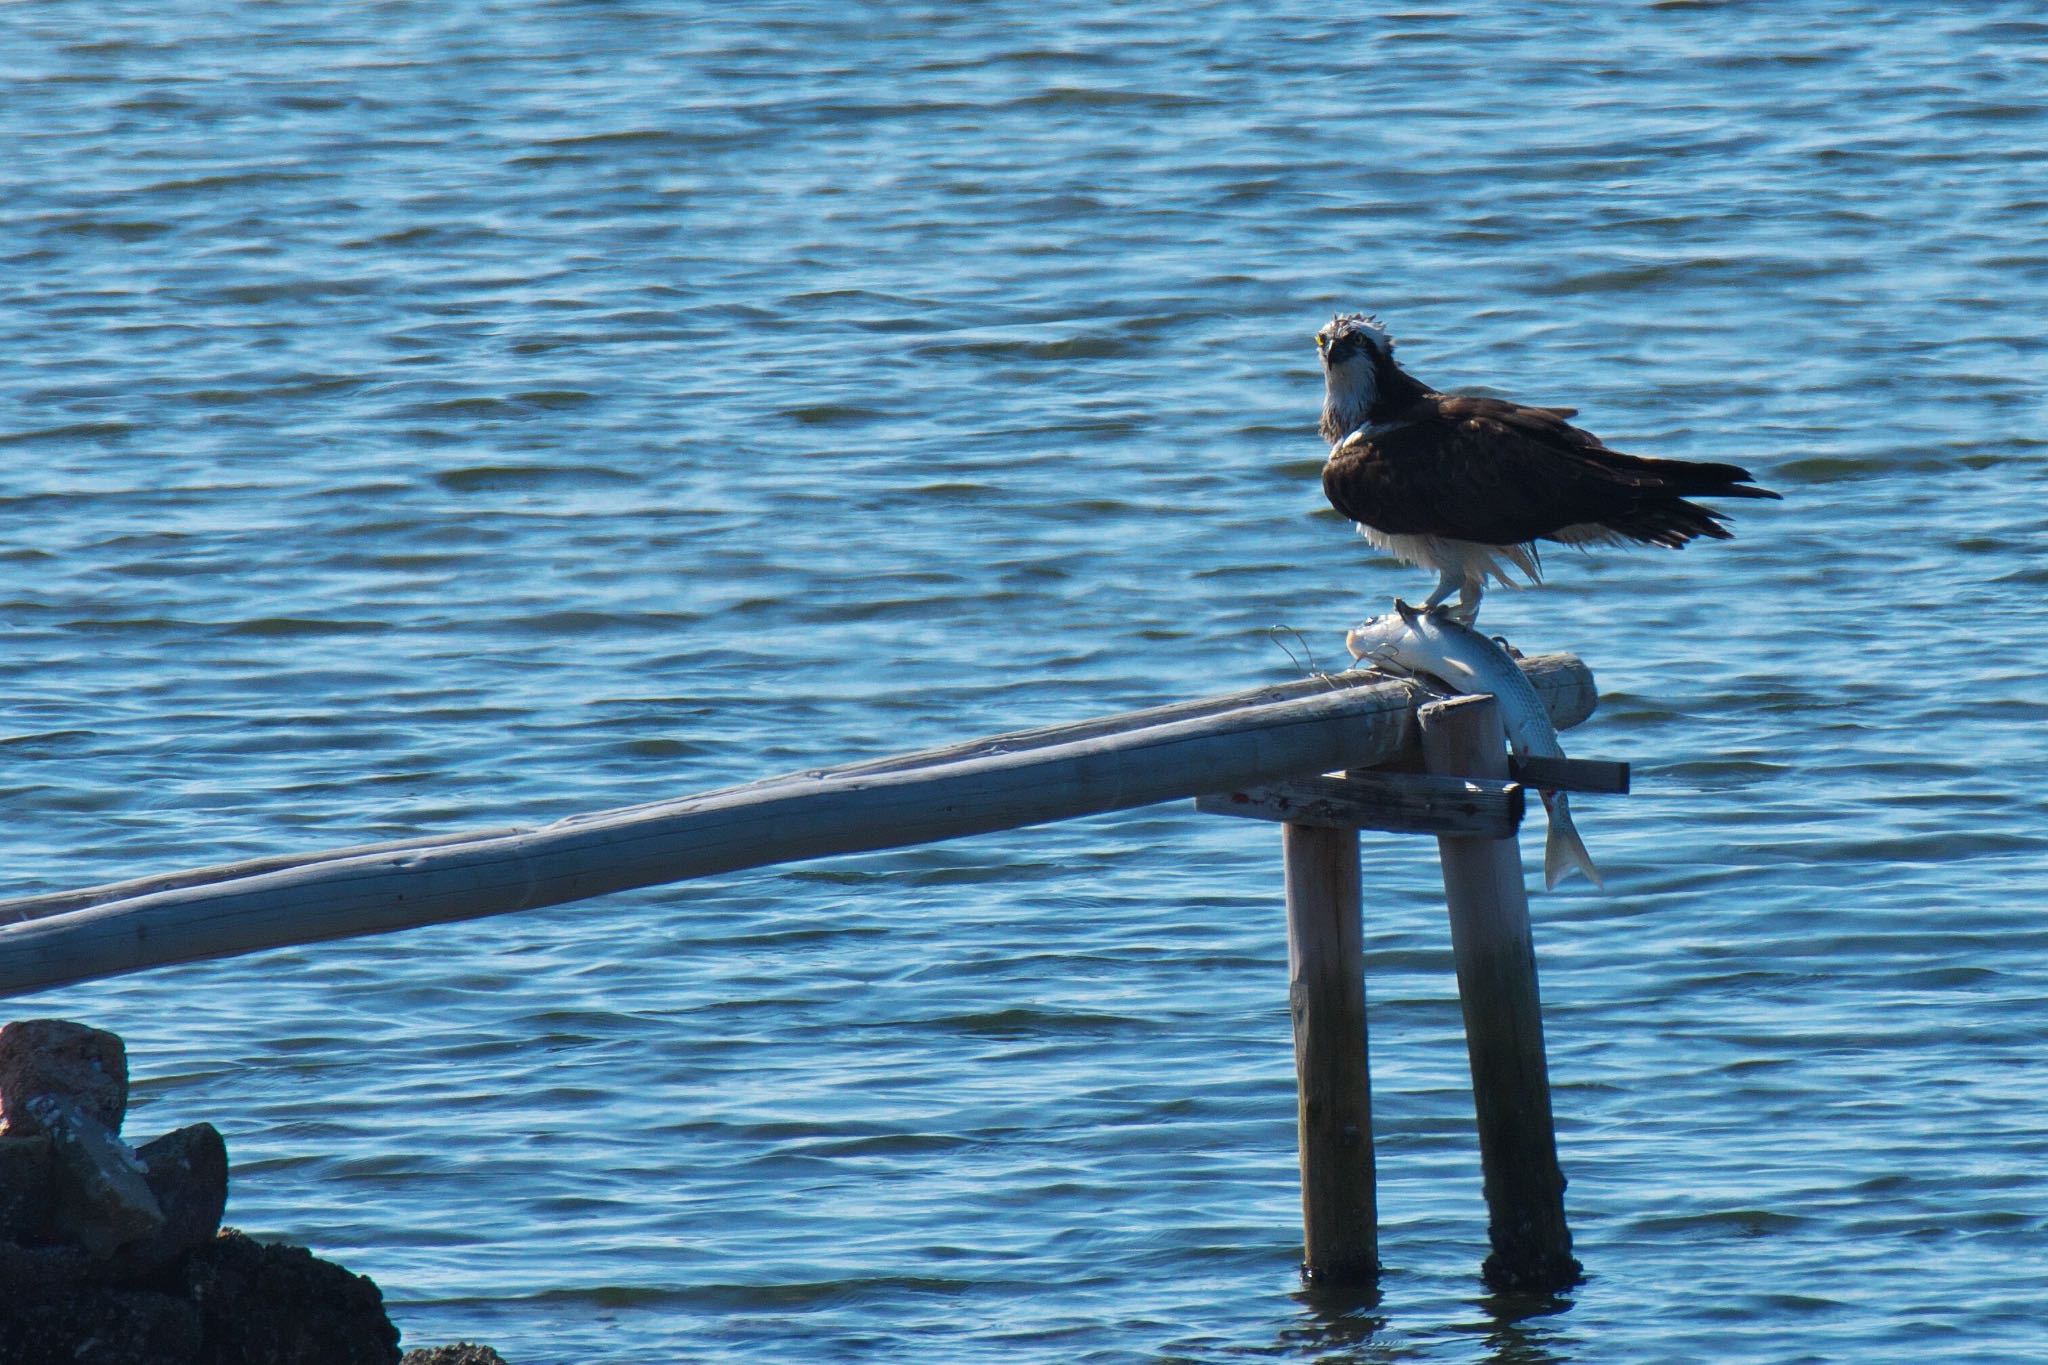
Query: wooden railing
point(1298, 753)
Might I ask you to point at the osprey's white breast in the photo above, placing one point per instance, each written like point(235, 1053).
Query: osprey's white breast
point(1466, 559)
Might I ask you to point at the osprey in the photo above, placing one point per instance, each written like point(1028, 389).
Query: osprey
point(1468, 485)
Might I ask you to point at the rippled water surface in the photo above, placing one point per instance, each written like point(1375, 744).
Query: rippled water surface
point(419, 417)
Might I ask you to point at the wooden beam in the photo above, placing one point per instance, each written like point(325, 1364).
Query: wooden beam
point(1316, 726)
point(1570, 774)
point(1564, 683)
point(1496, 962)
point(1400, 803)
point(23, 908)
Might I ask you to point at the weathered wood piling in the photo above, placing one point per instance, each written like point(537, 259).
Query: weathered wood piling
point(1326, 996)
point(1324, 757)
point(1495, 955)
point(1465, 799)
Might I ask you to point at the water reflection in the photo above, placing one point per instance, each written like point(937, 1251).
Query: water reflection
point(1515, 1331)
point(1342, 1324)
point(1338, 1323)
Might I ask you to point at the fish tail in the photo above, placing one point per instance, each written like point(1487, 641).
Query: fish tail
point(1563, 850)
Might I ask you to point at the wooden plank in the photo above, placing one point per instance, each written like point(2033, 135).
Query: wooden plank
point(1570, 774)
point(1562, 680)
point(1326, 995)
point(593, 855)
point(1314, 728)
point(60, 902)
point(1496, 963)
point(1399, 803)
point(1564, 683)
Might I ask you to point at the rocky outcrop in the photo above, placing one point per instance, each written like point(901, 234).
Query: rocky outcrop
point(24, 1186)
point(98, 1326)
point(89, 1066)
point(461, 1353)
point(281, 1305)
point(187, 1173)
point(98, 1197)
point(114, 1255)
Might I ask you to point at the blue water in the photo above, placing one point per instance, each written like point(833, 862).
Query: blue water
point(422, 417)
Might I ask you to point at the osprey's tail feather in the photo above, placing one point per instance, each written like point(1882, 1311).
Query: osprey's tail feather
point(1650, 477)
point(1655, 493)
point(1668, 521)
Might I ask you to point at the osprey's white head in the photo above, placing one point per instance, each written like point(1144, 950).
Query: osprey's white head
point(1357, 351)
point(1343, 334)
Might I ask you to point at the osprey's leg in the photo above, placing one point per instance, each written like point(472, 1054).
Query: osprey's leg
point(1467, 610)
point(1446, 584)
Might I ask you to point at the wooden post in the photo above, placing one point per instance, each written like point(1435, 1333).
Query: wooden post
point(1326, 991)
point(1496, 962)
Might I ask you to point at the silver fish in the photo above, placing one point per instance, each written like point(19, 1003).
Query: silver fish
point(1431, 642)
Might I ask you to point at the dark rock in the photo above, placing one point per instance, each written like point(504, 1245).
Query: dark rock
point(99, 1327)
point(58, 1057)
point(24, 1186)
point(277, 1305)
point(460, 1353)
point(99, 1199)
point(187, 1171)
point(41, 1272)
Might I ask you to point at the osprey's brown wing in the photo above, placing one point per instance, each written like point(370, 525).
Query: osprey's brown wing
point(1487, 470)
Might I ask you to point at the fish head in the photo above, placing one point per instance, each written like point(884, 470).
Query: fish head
point(1375, 637)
